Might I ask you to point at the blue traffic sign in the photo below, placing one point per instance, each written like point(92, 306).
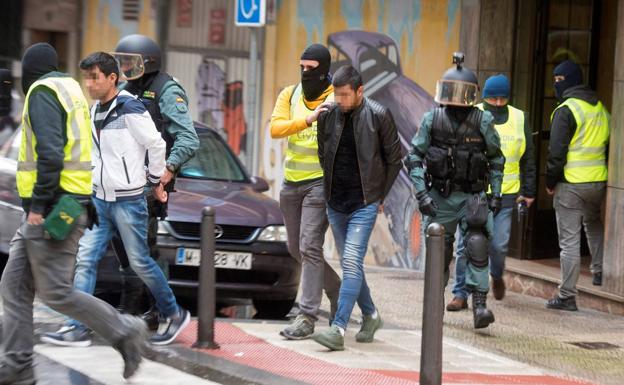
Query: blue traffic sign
point(250, 13)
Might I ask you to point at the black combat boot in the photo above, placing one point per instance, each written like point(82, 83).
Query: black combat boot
point(482, 316)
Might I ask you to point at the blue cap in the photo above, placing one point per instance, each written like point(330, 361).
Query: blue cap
point(496, 86)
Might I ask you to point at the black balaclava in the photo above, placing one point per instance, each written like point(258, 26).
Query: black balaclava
point(457, 113)
point(315, 81)
point(38, 60)
point(6, 85)
point(573, 77)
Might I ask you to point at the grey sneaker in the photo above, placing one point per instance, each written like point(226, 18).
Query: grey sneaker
point(369, 326)
point(131, 345)
point(330, 338)
point(11, 376)
point(301, 328)
point(171, 328)
point(69, 335)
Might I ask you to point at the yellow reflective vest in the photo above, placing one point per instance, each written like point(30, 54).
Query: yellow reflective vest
point(76, 174)
point(302, 161)
point(513, 145)
point(587, 153)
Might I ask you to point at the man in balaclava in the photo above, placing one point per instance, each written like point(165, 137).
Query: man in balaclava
point(7, 125)
point(302, 199)
point(54, 182)
point(455, 159)
point(576, 174)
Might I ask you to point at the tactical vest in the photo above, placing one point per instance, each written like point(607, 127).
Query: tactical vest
point(513, 145)
point(587, 152)
point(456, 159)
point(149, 95)
point(76, 173)
point(302, 161)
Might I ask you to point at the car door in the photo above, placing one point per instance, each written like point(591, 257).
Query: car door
point(10, 205)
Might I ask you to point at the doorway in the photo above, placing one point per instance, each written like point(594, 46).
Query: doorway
point(547, 33)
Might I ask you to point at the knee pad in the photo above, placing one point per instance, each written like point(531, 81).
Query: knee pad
point(476, 248)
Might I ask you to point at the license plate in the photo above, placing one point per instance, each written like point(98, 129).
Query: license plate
point(222, 259)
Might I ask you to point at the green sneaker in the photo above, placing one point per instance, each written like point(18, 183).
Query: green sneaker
point(301, 328)
point(369, 326)
point(330, 338)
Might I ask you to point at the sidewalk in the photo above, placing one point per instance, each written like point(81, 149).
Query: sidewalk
point(527, 344)
point(257, 354)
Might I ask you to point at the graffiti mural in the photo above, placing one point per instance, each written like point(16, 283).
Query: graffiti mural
point(400, 47)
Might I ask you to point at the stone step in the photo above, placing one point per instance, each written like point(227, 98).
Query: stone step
point(541, 279)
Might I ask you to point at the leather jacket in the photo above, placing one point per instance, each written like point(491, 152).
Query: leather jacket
point(377, 145)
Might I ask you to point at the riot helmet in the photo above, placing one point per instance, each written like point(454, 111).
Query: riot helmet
point(458, 86)
point(137, 55)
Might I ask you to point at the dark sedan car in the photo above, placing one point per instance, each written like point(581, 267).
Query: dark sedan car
point(251, 257)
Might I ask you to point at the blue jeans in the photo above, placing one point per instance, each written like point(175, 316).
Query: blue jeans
point(129, 217)
point(351, 233)
point(497, 250)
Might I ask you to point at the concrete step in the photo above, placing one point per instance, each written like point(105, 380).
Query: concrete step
point(539, 279)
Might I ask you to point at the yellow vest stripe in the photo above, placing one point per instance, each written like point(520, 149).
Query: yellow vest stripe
point(309, 151)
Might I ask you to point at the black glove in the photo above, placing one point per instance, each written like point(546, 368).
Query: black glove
point(496, 204)
point(426, 204)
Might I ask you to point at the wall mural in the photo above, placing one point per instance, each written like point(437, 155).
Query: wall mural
point(400, 47)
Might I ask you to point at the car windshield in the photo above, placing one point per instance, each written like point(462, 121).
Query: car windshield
point(213, 160)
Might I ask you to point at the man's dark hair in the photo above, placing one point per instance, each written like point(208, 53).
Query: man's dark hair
point(104, 61)
point(347, 75)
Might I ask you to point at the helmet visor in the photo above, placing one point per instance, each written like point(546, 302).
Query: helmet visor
point(456, 93)
point(130, 65)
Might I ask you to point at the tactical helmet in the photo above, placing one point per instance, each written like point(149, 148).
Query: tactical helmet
point(137, 55)
point(458, 86)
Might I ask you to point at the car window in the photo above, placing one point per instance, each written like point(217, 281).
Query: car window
point(213, 160)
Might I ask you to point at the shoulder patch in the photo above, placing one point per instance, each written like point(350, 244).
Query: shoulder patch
point(180, 100)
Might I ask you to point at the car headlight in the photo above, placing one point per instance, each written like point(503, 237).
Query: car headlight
point(162, 229)
point(273, 234)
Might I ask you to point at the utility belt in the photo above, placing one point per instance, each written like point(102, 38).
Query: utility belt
point(447, 186)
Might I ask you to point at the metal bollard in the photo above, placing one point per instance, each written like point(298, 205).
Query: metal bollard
point(206, 292)
point(433, 308)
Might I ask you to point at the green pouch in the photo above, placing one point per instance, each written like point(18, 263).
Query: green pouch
point(62, 219)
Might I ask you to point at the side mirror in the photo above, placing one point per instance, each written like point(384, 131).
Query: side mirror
point(259, 184)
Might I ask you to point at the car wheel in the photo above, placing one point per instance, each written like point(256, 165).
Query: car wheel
point(273, 309)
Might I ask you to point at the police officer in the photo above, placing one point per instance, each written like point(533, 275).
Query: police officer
point(167, 103)
point(54, 165)
point(576, 174)
point(455, 156)
point(518, 184)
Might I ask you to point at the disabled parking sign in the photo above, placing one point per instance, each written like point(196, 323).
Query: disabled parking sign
point(250, 13)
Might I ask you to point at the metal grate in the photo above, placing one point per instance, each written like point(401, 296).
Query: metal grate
point(594, 345)
point(131, 10)
point(230, 232)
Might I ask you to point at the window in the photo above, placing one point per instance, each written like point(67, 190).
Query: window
point(213, 160)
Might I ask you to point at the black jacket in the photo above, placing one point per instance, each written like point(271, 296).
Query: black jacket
point(562, 130)
point(377, 144)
